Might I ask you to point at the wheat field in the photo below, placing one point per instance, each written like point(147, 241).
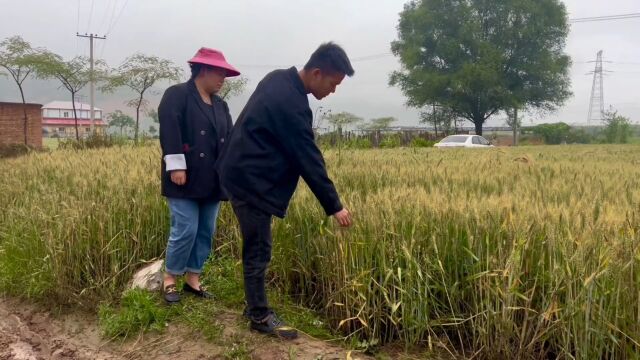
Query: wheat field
point(530, 253)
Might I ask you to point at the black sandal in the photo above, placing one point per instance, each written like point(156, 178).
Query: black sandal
point(202, 292)
point(171, 294)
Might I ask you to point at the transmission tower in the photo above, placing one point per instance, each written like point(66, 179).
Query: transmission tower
point(596, 104)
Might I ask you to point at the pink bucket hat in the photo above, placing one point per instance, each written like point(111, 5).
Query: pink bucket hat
point(215, 58)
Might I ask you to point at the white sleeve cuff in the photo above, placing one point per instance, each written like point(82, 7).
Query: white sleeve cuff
point(175, 162)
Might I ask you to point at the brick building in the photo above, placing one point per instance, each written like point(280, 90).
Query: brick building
point(12, 124)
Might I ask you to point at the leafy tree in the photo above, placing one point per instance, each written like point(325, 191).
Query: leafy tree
point(74, 75)
point(120, 120)
point(153, 114)
point(478, 57)
point(153, 131)
point(319, 115)
point(514, 122)
point(553, 134)
point(342, 121)
point(140, 73)
point(617, 128)
point(513, 119)
point(379, 123)
point(21, 61)
point(233, 87)
point(579, 136)
point(439, 117)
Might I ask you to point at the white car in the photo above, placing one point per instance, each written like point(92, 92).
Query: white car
point(466, 141)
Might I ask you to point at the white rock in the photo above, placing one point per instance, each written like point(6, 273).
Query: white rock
point(149, 278)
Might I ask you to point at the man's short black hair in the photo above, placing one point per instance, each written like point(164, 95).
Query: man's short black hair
point(330, 57)
point(196, 68)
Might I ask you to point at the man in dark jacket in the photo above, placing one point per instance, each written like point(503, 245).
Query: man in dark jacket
point(270, 147)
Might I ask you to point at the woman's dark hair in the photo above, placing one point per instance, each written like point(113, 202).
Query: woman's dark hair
point(330, 58)
point(197, 67)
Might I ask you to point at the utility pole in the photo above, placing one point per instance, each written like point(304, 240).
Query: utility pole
point(515, 126)
point(80, 99)
point(92, 85)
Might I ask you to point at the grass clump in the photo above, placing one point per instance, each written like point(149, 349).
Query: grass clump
point(139, 311)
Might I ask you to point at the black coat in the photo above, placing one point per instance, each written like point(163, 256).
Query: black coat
point(191, 127)
point(272, 145)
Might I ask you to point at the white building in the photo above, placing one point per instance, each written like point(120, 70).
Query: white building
point(58, 119)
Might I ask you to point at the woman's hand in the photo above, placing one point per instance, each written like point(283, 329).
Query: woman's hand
point(179, 177)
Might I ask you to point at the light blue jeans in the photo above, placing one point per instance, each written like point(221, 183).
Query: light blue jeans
point(193, 224)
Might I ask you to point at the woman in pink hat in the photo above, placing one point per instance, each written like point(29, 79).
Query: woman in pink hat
point(194, 124)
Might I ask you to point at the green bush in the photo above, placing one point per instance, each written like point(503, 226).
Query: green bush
point(579, 136)
point(93, 141)
point(358, 143)
point(530, 140)
point(15, 150)
point(561, 133)
point(420, 143)
point(553, 134)
point(390, 141)
point(618, 129)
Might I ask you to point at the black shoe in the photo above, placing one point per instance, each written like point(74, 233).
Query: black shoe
point(197, 292)
point(272, 325)
point(171, 295)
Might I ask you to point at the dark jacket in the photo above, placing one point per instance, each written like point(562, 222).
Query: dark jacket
point(272, 145)
point(196, 130)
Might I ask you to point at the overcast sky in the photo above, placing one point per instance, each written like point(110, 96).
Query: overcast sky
point(259, 36)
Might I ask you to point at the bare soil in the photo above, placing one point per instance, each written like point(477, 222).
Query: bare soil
point(28, 332)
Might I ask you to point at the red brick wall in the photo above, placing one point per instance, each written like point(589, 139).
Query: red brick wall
point(12, 124)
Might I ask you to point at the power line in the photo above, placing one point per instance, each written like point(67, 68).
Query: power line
point(78, 21)
point(263, 66)
point(382, 55)
point(113, 15)
point(608, 62)
point(117, 18)
point(78, 30)
point(112, 22)
point(90, 16)
point(574, 20)
point(104, 44)
point(105, 15)
point(356, 59)
point(605, 18)
point(371, 57)
point(386, 54)
point(111, 7)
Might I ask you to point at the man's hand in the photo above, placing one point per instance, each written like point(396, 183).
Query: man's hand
point(179, 177)
point(343, 217)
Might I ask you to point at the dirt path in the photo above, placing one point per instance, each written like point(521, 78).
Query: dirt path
point(28, 333)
